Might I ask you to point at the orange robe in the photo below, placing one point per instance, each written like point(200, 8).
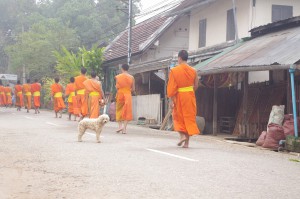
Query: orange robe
point(2, 99)
point(56, 92)
point(36, 92)
point(7, 91)
point(72, 101)
point(19, 95)
point(27, 95)
point(181, 90)
point(123, 98)
point(80, 94)
point(93, 89)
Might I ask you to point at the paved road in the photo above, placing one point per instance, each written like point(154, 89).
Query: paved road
point(40, 158)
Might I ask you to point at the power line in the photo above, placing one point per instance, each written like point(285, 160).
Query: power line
point(156, 15)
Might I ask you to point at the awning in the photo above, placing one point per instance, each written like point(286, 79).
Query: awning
point(278, 50)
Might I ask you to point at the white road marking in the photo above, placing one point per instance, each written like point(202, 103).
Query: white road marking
point(55, 124)
point(173, 155)
point(93, 134)
point(13, 113)
point(29, 118)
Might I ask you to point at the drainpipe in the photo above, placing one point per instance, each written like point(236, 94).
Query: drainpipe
point(292, 74)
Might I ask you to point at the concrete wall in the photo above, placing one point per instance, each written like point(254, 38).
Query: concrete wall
point(174, 39)
point(262, 12)
point(216, 16)
point(248, 17)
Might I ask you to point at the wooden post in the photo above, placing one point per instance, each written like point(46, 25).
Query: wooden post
point(165, 90)
point(215, 108)
point(245, 106)
point(149, 83)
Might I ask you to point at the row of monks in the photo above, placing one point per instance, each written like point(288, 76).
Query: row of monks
point(84, 96)
point(23, 95)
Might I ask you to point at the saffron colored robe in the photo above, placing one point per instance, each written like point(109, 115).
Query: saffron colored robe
point(181, 89)
point(56, 92)
point(72, 100)
point(80, 94)
point(123, 98)
point(19, 95)
point(7, 91)
point(2, 96)
point(94, 90)
point(27, 95)
point(36, 92)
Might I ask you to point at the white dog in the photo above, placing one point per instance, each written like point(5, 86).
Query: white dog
point(93, 124)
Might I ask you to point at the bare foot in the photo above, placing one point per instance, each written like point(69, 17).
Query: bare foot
point(181, 142)
point(119, 130)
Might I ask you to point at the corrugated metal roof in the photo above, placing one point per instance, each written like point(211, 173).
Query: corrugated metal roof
point(278, 48)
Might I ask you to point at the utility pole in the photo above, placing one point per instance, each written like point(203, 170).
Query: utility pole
point(24, 69)
point(129, 32)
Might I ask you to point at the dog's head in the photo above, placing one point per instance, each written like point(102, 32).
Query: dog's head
point(104, 118)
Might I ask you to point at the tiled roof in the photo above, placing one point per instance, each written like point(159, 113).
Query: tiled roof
point(143, 34)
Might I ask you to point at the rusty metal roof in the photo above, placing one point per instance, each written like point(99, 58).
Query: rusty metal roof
point(276, 50)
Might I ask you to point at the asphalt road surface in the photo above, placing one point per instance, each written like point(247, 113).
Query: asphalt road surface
point(40, 158)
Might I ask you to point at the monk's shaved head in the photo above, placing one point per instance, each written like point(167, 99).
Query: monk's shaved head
point(125, 67)
point(83, 70)
point(183, 54)
point(72, 79)
point(93, 74)
point(56, 79)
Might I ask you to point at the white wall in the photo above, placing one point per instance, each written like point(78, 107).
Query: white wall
point(262, 13)
point(248, 17)
point(174, 39)
point(216, 16)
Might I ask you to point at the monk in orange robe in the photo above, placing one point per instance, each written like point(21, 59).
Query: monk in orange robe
point(27, 95)
point(183, 81)
point(57, 97)
point(2, 95)
point(36, 92)
point(7, 91)
point(80, 94)
point(95, 94)
point(125, 85)
point(19, 95)
point(72, 100)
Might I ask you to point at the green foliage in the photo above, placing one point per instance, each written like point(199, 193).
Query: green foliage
point(68, 64)
point(34, 48)
point(30, 31)
point(92, 59)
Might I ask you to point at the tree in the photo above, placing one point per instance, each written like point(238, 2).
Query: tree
point(69, 63)
point(34, 48)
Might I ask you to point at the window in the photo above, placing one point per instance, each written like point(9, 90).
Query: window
point(230, 26)
point(280, 12)
point(202, 33)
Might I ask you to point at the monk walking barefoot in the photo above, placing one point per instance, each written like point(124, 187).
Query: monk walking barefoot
point(183, 81)
point(19, 95)
point(57, 97)
point(80, 94)
point(125, 86)
point(94, 92)
point(36, 92)
point(72, 101)
point(27, 95)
